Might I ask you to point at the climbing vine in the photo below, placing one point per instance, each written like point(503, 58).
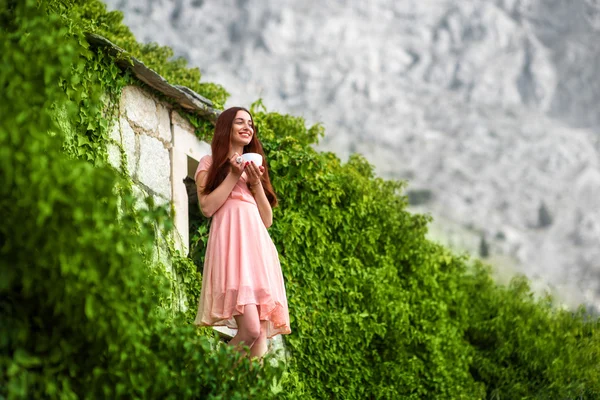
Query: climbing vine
point(86, 309)
point(378, 311)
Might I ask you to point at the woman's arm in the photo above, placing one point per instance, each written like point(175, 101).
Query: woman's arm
point(264, 207)
point(210, 203)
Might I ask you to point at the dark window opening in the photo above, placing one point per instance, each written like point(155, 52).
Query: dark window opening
point(198, 224)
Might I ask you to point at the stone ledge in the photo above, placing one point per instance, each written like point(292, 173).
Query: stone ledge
point(184, 96)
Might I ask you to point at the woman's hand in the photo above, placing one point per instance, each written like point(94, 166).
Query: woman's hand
point(253, 173)
point(236, 168)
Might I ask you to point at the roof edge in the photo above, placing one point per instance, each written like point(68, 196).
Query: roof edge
point(184, 96)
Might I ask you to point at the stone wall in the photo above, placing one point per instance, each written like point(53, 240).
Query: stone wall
point(157, 147)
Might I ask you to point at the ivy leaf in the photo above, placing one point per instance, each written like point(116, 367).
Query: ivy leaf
point(25, 359)
point(89, 307)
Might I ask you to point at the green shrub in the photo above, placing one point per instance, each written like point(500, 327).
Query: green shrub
point(378, 311)
point(374, 304)
point(83, 305)
point(528, 348)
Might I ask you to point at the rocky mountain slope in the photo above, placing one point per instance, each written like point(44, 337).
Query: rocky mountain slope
point(488, 108)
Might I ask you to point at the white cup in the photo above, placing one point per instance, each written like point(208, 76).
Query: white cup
point(257, 158)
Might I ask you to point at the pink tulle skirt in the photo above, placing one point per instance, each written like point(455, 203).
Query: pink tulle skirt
point(242, 268)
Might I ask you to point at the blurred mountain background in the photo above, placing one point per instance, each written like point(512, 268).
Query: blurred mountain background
point(490, 109)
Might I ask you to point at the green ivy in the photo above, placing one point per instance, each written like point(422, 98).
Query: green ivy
point(378, 311)
point(86, 308)
point(90, 16)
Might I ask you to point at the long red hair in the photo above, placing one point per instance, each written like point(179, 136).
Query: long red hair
point(220, 149)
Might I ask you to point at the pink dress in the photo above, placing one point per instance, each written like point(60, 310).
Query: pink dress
point(241, 265)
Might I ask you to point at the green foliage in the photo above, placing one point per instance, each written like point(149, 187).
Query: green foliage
point(83, 311)
point(190, 282)
point(369, 294)
point(83, 16)
point(378, 311)
point(96, 81)
point(528, 348)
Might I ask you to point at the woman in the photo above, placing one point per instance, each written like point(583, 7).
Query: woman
point(242, 283)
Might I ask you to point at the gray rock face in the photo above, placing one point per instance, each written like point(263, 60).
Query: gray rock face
point(489, 106)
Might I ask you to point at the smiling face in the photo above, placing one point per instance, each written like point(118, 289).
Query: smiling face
point(242, 129)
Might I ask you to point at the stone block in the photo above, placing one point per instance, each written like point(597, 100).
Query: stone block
point(128, 140)
point(114, 155)
point(140, 197)
point(160, 254)
point(164, 124)
point(115, 132)
point(181, 122)
point(225, 331)
point(277, 348)
point(140, 108)
point(185, 140)
point(160, 201)
point(154, 168)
